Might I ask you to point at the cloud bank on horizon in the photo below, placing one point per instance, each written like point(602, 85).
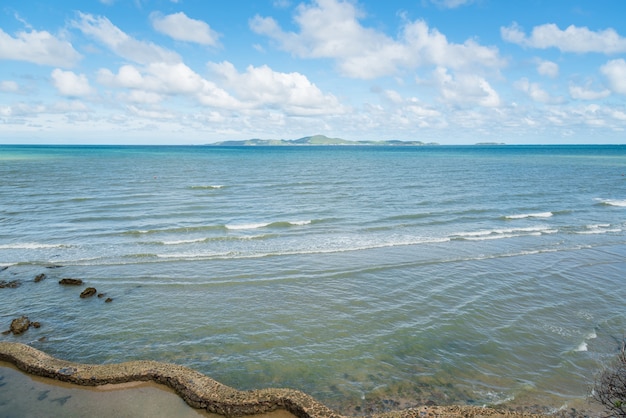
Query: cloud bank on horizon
point(192, 72)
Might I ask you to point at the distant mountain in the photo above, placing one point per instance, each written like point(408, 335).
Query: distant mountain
point(315, 140)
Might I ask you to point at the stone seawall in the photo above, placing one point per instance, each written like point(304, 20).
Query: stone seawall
point(202, 392)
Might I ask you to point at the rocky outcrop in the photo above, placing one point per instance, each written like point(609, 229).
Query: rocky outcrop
point(71, 282)
point(89, 292)
point(39, 277)
point(12, 284)
point(20, 325)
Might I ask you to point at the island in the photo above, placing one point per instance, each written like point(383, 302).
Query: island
point(316, 140)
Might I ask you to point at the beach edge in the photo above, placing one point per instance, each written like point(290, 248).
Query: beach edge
point(202, 392)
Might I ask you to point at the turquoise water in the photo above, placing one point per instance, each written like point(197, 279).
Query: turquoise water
point(368, 277)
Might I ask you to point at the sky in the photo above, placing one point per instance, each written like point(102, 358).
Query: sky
point(201, 71)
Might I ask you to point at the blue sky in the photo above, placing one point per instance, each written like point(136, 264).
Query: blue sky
point(198, 71)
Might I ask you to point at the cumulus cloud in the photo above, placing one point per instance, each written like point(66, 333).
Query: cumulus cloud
point(9, 86)
point(331, 29)
point(127, 47)
point(572, 39)
point(263, 86)
point(69, 83)
point(465, 89)
point(548, 68)
point(156, 81)
point(586, 93)
point(406, 111)
point(182, 28)
point(615, 72)
point(38, 47)
point(535, 92)
point(256, 88)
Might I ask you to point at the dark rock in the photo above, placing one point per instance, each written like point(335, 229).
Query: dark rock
point(101, 295)
point(39, 277)
point(108, 300)
point(72, 282)
point(12, 284)
point(4, 268)
point(53, 267)
point(36, 324)
point(7, 332)
point(42, 339)
point(20, 325)
point(90, 291)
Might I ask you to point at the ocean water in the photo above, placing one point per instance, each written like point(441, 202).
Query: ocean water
point(369, 277)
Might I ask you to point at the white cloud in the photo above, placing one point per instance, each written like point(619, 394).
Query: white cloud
point(140, 96)
point(263, 87)
point(465, 89)
point(282, 4)
point(70, 84)
point(9, 86)
point(38, 47)
point(586, 93)
point(535, 92)
point(158, 77)
point(101, 29)
point(331, 29)
point(150, 114)
point(406, 112)
point(615, 72)
point(548, 68)
point(157, 80)
point(451, 4)
point(182, 28)
point(572, 39)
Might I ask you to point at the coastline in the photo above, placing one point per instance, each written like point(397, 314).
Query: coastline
point(203, 393)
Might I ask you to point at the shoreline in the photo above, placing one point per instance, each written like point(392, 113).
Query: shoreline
point(202, 392)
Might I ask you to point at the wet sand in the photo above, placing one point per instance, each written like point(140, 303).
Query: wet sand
point(23, 395)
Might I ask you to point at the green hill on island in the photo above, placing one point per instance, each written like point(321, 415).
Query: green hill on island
point(314, 140)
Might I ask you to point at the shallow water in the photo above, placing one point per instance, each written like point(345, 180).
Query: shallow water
point(366, 277)
point(27, 396)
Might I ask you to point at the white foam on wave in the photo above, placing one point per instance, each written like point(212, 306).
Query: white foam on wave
point(614, 202)
point(582, 346)
point(247, 226)
point(30, 246)
point(194, 256)
point(498, 233)
point(599, 229)
point(530, 215)
point(208, 187)
point(183, 241)
point(300, 223)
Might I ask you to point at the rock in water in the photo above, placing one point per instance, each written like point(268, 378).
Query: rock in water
point(12, 284)
point(39, 277)
point(90, 291)
point(20, 325)
point(73, 282)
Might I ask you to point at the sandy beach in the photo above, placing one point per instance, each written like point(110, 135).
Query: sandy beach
point(23, 395)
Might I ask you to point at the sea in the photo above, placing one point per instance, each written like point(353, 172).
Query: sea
point(370, 277)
